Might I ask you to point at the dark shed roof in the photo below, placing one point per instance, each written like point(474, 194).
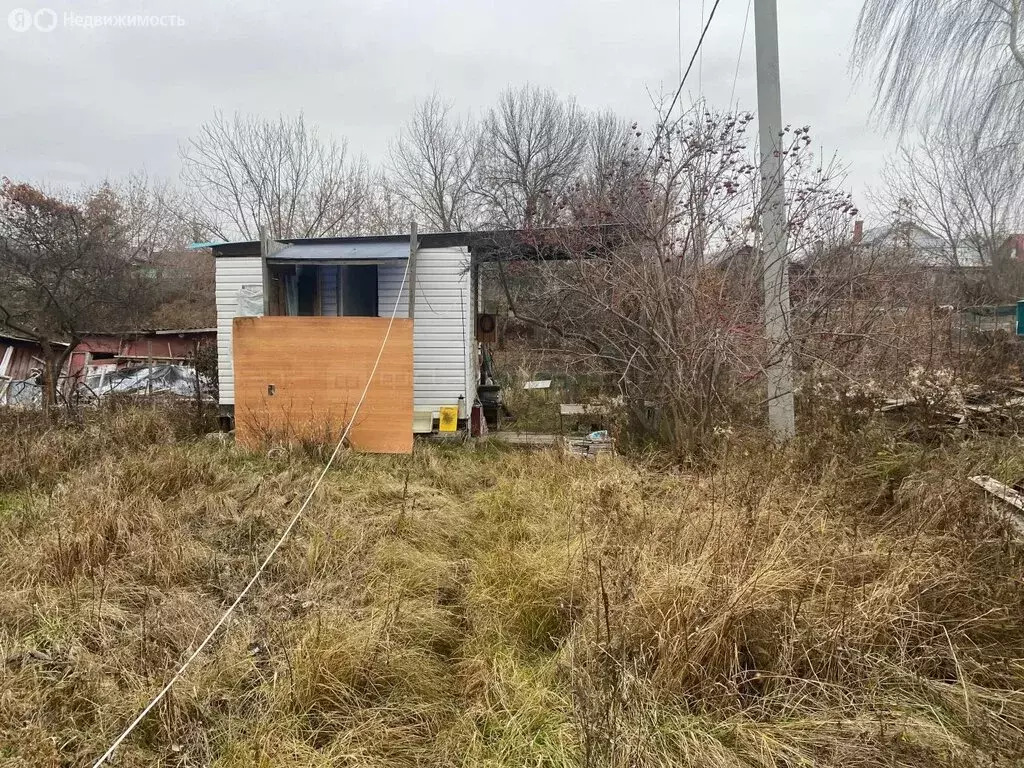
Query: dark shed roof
point(486, 245)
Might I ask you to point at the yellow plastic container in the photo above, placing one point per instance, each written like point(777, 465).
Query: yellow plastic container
point(449, 421)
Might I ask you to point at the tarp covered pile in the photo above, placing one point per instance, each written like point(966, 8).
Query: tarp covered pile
point(163, 380)
point(26, 393)
point(175, 380)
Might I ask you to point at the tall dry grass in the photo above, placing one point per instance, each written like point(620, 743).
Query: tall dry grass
point(847, 603)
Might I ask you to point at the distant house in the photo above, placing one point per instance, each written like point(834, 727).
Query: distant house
point(951, 276)
point(174, 265)
point(920, 246)
point(99, 353)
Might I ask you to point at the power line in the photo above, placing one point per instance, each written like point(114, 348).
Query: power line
point(682, 82)
point(700, 63)
point(679, 38)
point(266, 561)
point(739, 56)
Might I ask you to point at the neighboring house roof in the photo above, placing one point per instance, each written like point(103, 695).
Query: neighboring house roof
point(7, 334)
point(152, 332)
point(929, 250)
point(178, 331)
point(728, 256)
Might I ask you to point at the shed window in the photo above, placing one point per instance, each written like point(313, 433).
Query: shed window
point(304, 290)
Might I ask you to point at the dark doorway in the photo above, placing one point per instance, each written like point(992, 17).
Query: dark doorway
point(306, 279)
point(294, 290)
point(359, 290)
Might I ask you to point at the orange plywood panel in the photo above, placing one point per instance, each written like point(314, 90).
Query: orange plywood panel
point(301, 378)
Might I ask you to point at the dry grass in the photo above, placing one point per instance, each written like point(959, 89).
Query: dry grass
point(836, 606)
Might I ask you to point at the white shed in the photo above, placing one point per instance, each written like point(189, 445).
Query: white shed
point(360, 276)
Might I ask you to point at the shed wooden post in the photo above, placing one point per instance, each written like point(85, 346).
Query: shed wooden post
point(413, 247)
point(264, 253)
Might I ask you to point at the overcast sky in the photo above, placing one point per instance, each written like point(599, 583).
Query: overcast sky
point(81, 104)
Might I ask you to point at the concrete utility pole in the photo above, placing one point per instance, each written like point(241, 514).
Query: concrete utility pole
point(774, 261)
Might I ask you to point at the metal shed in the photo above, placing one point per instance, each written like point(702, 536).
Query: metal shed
point(358, 277)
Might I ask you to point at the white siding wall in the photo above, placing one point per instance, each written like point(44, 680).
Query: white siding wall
point(389, 280)
point(232, 273)
point(443, 340)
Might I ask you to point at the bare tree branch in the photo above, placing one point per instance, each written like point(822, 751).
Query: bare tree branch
point(431, 165)
point(531, 147)
point(966, 191)
point(247, 173)
point(943, 60)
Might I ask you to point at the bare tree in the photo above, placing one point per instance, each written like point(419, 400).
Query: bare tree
point(945, 59)
point(68, 266)
point(183, 284)
point(156, 232)
point(247, 173)
point(531, 147)
point(431, 165)
point(702, 183)
point(609, 174)
point(383, 211)
point(964, 190)
point(150, 214)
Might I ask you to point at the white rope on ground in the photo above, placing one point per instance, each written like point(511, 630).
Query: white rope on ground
point(266, 561)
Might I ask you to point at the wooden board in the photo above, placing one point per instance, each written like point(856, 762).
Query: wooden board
point(1004, 492)
point(301, 378)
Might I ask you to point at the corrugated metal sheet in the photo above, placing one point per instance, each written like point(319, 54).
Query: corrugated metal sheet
point(343, 252)
point(232, 274)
